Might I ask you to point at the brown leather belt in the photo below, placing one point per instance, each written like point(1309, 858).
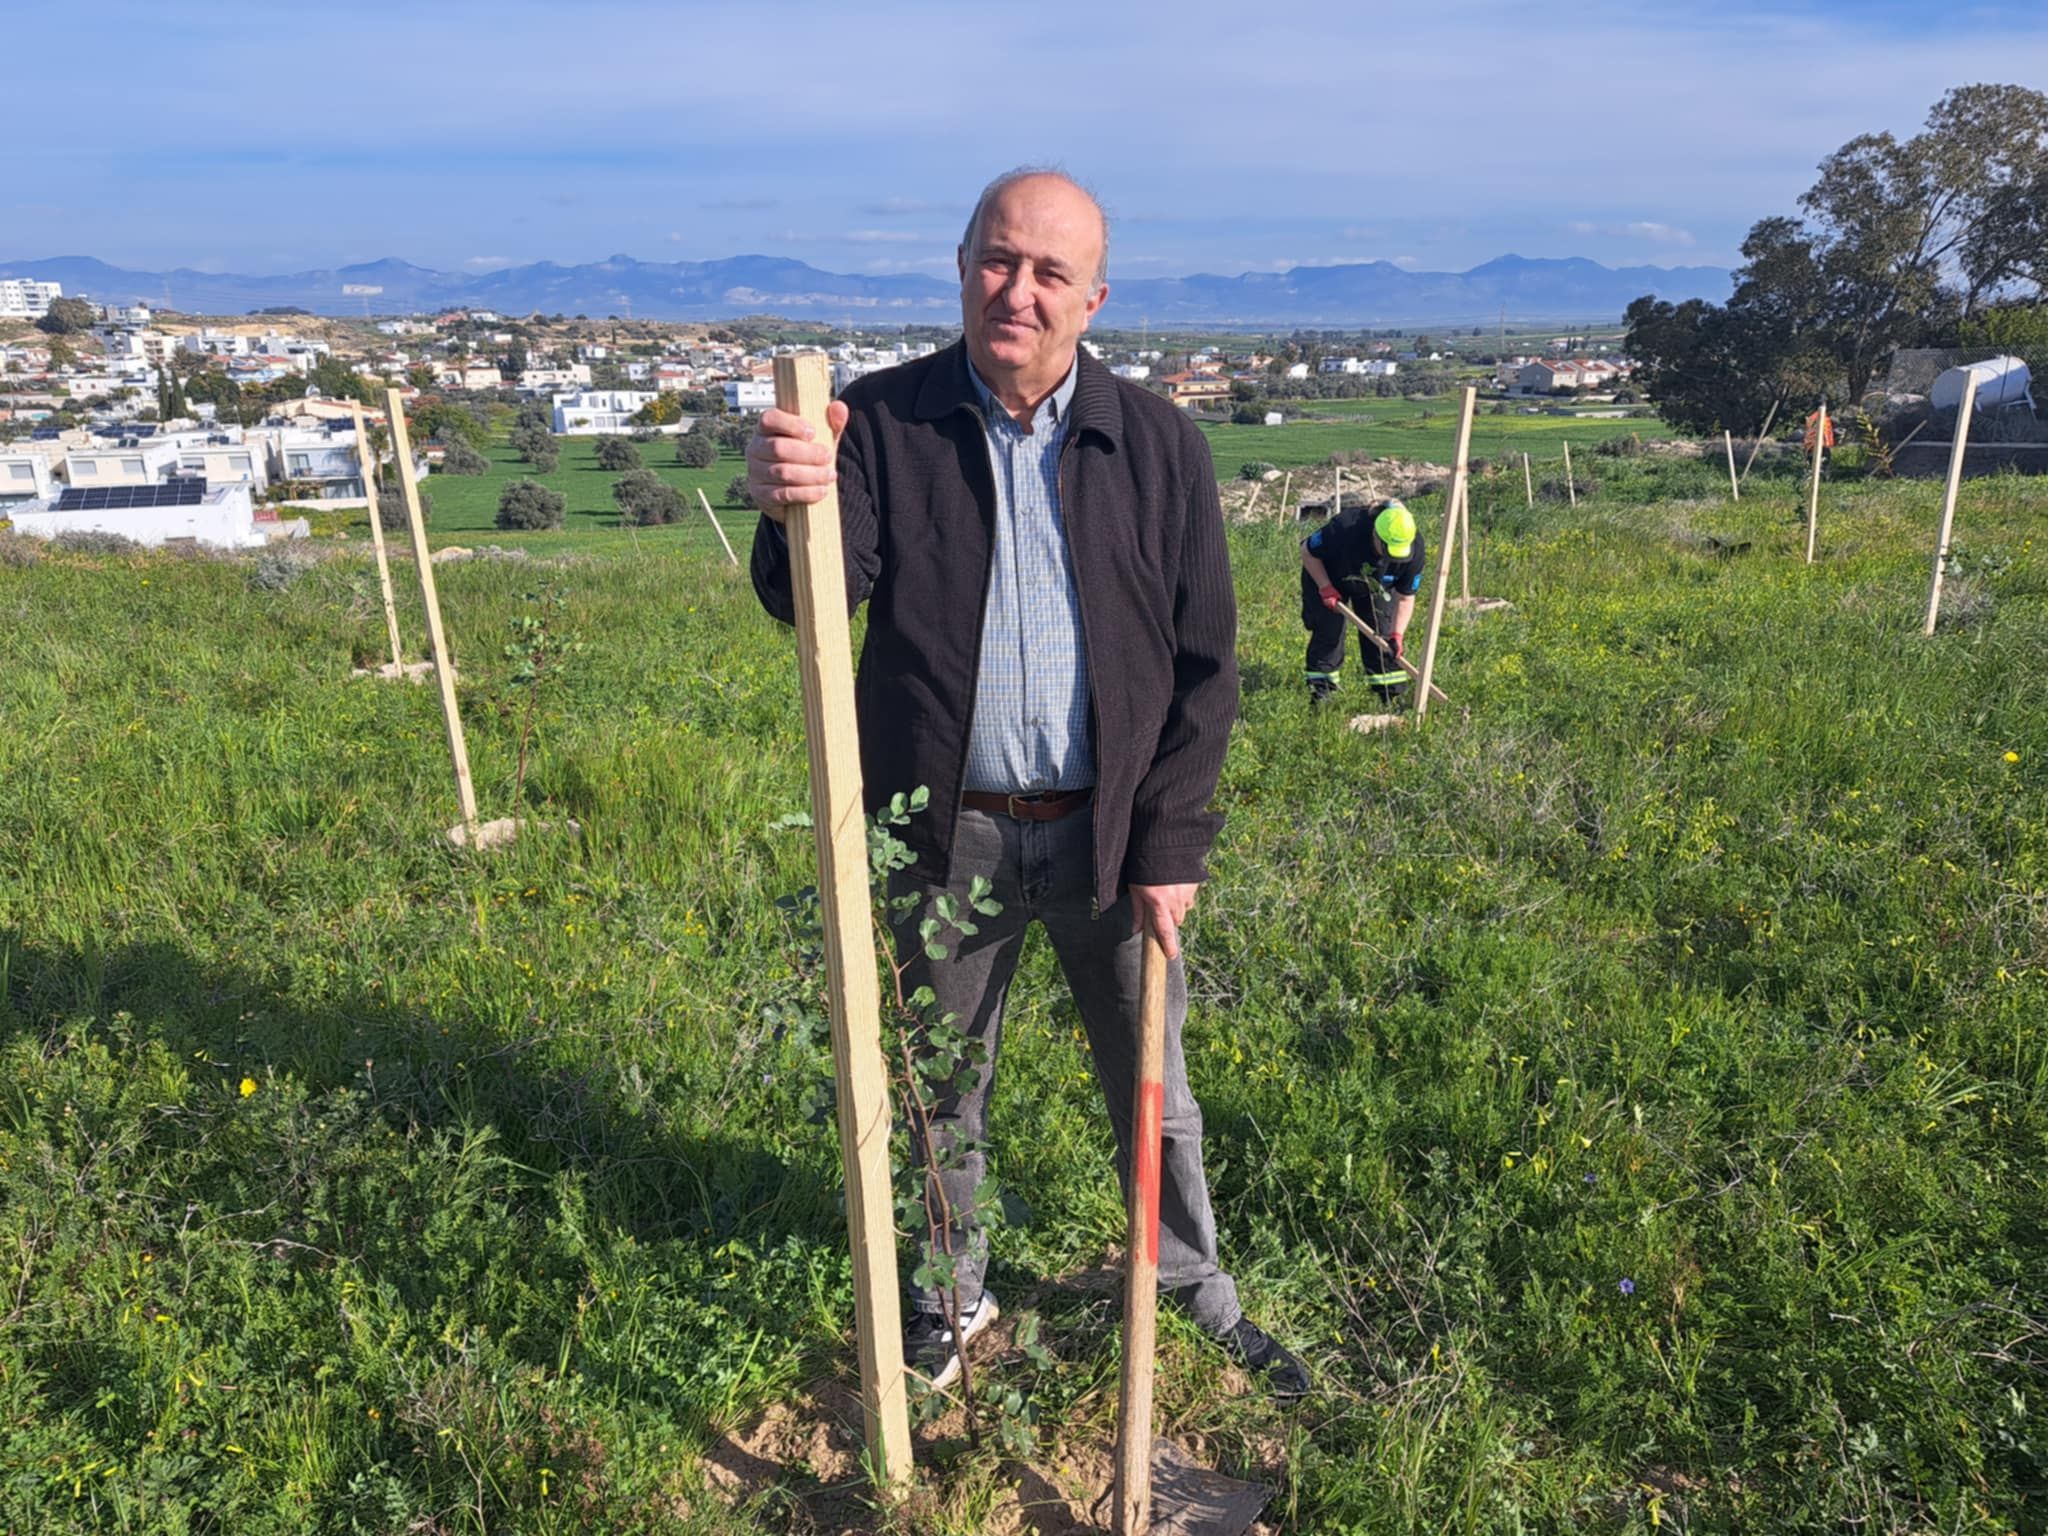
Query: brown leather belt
point(1049, 806)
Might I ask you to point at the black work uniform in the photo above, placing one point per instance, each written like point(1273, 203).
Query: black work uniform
point(1372, 583)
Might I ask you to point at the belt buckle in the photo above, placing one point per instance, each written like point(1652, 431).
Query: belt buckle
point(1010, 803)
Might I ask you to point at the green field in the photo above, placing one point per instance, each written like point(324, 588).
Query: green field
point(466, 506)
point(1628, 1091)
point(1406, 429)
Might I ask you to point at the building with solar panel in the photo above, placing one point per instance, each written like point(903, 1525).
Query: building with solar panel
point(176, 511)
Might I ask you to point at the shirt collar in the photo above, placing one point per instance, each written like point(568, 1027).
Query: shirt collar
point(1058, 401)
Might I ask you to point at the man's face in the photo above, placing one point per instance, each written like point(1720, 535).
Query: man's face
point(1025, 292)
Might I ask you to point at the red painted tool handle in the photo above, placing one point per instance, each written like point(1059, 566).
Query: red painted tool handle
point(1141, 1271)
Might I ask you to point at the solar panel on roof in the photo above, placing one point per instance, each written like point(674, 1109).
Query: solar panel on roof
point(115, 498)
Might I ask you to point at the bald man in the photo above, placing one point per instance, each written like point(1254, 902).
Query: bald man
point(1051, 653)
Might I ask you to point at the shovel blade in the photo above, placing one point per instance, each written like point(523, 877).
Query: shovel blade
point(1191, 1500)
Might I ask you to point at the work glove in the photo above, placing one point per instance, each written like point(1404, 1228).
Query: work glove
point(1329, 597)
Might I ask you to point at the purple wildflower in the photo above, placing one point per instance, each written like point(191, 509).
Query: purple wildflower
point(1628, 1287)
point(1592, 1178)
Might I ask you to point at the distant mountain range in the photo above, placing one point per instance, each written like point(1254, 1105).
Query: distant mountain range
point(1565, 291)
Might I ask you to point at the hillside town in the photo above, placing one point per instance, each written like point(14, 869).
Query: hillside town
point(111, 413)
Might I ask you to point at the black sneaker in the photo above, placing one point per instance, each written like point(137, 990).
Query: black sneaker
point(1263, 1355)
point(928, 1343)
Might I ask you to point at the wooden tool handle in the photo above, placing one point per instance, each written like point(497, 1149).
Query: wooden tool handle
point(1402, 661)
point(1141, 1266)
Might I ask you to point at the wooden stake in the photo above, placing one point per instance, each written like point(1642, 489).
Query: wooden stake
point(1437, 598)
point(1285, 486)
point(1820, 437)
point(1956, 454)
point(1734, 485)
point(1133, 1499)
point(1465, 543)
point(1337, 491)
point(803, 385)
point(1528, 485)
point(1762, 433)
point(706, 501)
point(367, 462)
point(1571, 487)
point(444, 663)
point(1252, 505)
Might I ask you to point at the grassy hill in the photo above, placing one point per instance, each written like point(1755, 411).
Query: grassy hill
point(1628, 1091)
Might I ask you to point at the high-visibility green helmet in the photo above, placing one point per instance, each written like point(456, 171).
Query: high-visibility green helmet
point(1396, 527)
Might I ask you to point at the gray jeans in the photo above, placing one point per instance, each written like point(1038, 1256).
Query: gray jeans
point(1043, 871)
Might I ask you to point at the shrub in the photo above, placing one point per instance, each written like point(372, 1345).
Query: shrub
point(531, 441)
point(546, 461)
point(647, 500)
point(529, 504)
point(698, 450)
point(737, 494)
point(460, 458)
point(1630, 447)
point(278, 567)
point(1557, 490)
point(617, 453)
point(1253, 469)
point(391, 508)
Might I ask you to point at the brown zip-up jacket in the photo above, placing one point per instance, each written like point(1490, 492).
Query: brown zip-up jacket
point(1158, 614)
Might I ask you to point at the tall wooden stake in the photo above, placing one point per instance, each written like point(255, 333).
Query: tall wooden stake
point(1258, 488)
point(367, 462)
point(1133, 1496)
point(1571, 486)
point(444, 663)
point(706, 501)
point(1820, 438)
point(1957, 452)
point(1286, 485)
point(1734, 485)
point(1337, 491)
point(1762, 435)
point(803, 384)
point(1437, 598)
point(1528, 485)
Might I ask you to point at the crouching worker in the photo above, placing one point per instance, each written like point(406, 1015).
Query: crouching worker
point(1368, 557)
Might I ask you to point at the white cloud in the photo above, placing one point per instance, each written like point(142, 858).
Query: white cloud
point(1639, 229)
point(488, 263)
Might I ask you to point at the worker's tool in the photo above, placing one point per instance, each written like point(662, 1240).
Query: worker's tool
point(1399, 660)
point(1159, 1491)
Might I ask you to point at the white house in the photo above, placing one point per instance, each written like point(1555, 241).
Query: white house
point(1132, 371)
point(23, 298)
point(23, 477)
point(749, 394)
point(144, 464)
point(591, 412)
point(1297, 370)
point(182, 512)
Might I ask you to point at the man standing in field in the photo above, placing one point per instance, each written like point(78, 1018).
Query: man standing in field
point(1369, 558)
point(1050, 652)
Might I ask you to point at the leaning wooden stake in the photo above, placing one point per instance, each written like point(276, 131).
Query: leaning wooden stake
point(367, 462)
point(1252, 505)
point(1571, 487)
point(1133, 1496)
point(803, 385)
point(1762, 433)
point(1437, 598)
point(1956, 455)
point(706, 501)
point(444, 663)
point(1528, 485)
point(1734, 485)
point(1286, 485)
point(1820, 439)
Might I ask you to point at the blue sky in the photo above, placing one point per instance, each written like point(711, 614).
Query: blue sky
point(1223, 137)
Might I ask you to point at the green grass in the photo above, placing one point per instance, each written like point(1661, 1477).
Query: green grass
point(1404, 429)
point(466, 506)
point(351, 1184)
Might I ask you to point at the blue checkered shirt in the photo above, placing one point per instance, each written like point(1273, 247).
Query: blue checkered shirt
point(1031, 713)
